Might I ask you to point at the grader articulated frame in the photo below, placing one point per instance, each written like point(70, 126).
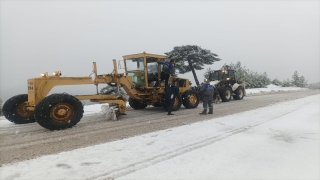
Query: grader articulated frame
point(60, 110)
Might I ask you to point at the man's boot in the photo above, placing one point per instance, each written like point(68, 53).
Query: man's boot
point(204, 112)
point(210, 111)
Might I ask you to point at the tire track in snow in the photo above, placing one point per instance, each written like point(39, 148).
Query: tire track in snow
point(149, 161)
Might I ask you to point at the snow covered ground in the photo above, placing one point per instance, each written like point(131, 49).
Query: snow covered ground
point(273, 89)
point(275, 142)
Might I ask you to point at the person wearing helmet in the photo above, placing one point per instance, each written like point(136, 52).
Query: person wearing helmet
point(207, 91)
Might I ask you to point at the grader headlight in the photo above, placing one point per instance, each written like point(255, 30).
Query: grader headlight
point(57, 73)
point(44, 74)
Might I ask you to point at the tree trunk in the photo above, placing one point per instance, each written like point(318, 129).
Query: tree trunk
point(194, 73)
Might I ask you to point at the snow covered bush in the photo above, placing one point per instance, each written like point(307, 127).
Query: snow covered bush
point(314, 85)
point(252, 79)
point(286, 83)
point(276, 82)
point(297, 81)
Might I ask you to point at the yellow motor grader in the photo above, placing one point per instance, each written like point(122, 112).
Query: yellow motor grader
point(140, 80)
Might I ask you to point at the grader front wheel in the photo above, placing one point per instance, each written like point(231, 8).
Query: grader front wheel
point(15, 110)
point(58, 111)
point(62, 112)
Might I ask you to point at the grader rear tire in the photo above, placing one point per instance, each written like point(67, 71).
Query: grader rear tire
point(190, 99)
point(176, 104)
point(14, 109)
point(58, 111)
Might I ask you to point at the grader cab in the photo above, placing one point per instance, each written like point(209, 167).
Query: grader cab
point(140, 80)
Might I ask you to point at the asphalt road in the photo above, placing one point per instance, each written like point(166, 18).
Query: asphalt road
point(27, 141)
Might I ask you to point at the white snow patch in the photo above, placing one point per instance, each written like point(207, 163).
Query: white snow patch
point(109, 111)
point(273, 89)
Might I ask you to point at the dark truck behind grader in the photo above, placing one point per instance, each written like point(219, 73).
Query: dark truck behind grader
point(226, 84)
point(61, 110)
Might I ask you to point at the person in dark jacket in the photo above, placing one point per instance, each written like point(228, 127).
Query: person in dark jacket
point(172, 91)
point(207, 91)
point(167, 70)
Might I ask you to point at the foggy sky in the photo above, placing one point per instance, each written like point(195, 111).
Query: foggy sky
point(276, 37)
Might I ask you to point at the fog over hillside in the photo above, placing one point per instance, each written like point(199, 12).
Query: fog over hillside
point(276, 37)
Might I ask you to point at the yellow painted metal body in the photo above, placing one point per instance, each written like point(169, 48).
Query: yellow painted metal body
point(137, 83)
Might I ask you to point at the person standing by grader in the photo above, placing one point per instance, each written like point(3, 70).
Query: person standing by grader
point(207, 91)
point(172, 91)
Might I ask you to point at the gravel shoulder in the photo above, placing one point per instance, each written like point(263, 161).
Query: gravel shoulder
point(27, 141)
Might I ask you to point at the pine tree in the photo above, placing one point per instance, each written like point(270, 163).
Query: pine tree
point(304, 83)
point(276, 82)
point(286, 83)
point(251, 78)
point(298, 81)
point(265, 80)
point(190, 58)
point(241, 72)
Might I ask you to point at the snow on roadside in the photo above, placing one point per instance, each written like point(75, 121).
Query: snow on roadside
point(273, 89)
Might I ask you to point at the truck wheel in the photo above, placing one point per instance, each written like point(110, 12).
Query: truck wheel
point(14, 109)
point(135, 104)
point(58, 111)
point(190, 99)
point(239, 93)
point(176, 104)
point(225, 94)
